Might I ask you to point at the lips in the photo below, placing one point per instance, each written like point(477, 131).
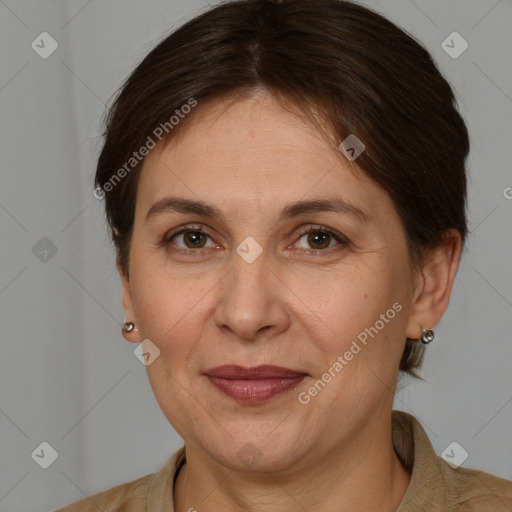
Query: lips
point(265, 371)
point(253, 385)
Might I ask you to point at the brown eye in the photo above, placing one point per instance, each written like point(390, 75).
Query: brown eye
point(189, 239)
point(319, 239)
point(194, 239)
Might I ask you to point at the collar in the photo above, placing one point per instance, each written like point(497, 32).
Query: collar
point(433, 482)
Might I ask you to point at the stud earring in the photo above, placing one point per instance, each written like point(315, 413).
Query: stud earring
point(427, 336)
point(129, 327)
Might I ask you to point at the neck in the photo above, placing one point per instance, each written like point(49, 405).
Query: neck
point(362, 473)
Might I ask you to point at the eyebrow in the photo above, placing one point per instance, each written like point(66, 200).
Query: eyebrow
point(203, 209)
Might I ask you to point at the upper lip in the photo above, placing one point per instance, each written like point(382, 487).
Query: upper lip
point(264, 371)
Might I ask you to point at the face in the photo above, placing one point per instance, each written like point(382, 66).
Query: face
point(325, 293)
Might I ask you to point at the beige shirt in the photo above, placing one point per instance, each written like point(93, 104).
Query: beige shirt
point(434, 487)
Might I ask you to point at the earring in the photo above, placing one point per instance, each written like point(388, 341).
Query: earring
point(427, 336)
point(129, 327)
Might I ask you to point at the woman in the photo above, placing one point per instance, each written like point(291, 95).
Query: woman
point(285, 184)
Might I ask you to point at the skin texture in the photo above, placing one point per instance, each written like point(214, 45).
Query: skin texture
point(250, 158)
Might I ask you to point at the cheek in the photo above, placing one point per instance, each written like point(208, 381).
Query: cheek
point(363, 319)
point(169, 309)
point(350, 300)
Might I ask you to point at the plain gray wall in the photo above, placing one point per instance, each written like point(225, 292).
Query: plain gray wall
point(68, 377)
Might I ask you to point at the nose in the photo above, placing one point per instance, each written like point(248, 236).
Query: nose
point(252, 301)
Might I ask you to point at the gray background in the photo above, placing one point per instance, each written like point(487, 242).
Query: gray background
point(67, 376)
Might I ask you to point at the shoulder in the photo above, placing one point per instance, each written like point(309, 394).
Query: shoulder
point(147, 493)
point(127, 497)
point(437, 485)
point(479, 491)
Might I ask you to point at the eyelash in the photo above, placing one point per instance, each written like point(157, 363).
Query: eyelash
point(199, 229)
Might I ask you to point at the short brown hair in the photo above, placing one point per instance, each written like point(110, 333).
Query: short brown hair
point(365, 76)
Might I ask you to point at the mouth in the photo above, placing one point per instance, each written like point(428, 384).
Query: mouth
point(256, 384)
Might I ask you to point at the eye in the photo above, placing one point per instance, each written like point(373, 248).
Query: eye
point(193, 238)
point(320, 238)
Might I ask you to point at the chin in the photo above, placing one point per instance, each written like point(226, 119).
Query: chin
point(256, 451)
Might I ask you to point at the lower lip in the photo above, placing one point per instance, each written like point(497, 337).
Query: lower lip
point(255, 391)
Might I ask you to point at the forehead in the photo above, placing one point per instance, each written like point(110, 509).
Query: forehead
point(251, 152)
point(231, 130)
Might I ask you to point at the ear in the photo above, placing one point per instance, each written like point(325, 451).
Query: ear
point(434, 285)
point(129, 314)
